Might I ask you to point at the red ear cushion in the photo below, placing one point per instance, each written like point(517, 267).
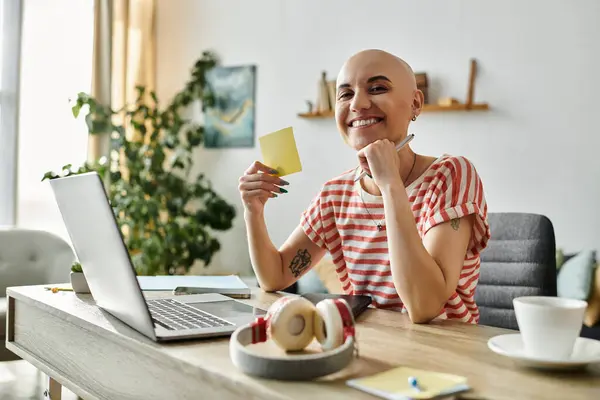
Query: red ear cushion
point(291, 323)
point(347, 318)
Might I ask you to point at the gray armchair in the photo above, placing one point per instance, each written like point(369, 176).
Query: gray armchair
point(29, 257)
point(520, 260)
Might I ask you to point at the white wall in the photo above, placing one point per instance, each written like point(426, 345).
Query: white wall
point(536, 150)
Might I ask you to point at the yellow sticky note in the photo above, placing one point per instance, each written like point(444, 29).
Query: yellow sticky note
point(394, 384)
point(279, 151)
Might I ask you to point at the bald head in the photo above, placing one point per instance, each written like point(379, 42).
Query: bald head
point(377, 97)
point(374, 59)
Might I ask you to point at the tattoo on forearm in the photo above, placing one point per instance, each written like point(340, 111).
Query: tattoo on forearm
point(455, 223)
point(300, 262)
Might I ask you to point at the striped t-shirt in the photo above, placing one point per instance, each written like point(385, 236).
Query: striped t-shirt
point(343, 219)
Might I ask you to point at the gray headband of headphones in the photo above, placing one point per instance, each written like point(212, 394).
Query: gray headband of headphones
point(293, 367)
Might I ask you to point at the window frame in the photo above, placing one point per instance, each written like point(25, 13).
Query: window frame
point(12, 22)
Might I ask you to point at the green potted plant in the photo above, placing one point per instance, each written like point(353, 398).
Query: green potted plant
point(168, 217)
point(78, 282)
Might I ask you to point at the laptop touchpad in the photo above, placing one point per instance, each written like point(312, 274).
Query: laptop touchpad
point(228, 309)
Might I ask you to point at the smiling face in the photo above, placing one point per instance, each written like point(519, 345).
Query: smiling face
point(376, 98)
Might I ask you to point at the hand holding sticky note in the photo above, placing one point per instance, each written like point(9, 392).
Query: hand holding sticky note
point(279, 151)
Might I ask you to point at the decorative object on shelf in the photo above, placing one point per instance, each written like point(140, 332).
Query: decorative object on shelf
point(310, 106)
point(229, 122)
point(423, 85)
point(447, 105)
point(323, 101)
point(167, 216)
point(331, 90)
point(78, 281)
point(447, 101)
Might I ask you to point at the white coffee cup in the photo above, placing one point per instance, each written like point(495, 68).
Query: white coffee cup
point(549, 326)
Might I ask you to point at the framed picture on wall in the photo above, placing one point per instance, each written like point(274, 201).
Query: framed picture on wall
point(231, 121)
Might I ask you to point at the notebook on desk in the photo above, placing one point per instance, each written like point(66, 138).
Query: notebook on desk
point(394, 384)
point(229, 285)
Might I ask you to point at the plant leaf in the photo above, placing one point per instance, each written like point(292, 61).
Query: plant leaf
point(75, 110)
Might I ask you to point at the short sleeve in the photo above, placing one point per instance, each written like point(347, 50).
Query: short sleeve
point(312, 223)
point(458, 192)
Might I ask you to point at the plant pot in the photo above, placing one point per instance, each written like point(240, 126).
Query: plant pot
point(78, 283)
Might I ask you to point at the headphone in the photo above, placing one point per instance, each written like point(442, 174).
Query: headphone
point(292, 323)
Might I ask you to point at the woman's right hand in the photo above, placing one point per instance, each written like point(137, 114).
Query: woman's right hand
point(258, 184)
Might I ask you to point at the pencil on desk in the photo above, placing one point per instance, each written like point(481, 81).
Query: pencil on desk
point(56, 289)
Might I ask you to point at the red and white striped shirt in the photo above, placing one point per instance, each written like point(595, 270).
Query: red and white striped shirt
point(343, 219)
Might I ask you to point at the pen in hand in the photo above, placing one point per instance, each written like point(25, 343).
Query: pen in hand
point(399, 146)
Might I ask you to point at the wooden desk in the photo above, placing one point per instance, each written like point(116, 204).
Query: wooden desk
point(98, 357)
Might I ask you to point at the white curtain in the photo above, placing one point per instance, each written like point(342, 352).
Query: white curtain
point(124, 56)
point(10, 43)
point(98, 145)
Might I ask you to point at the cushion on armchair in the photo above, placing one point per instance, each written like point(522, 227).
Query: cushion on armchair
point(575, 276)
point(592, 312)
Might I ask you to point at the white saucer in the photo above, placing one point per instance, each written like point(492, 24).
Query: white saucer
point(585, 352)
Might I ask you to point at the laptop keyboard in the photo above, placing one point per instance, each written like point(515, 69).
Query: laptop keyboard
point(174, 315)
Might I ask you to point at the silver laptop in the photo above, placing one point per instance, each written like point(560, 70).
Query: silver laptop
point(111, 277)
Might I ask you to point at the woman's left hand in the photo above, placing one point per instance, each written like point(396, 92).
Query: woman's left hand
point(380, 160)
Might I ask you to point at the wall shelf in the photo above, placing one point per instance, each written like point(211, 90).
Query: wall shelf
point(426, 108)
point(469, 105)
point(456, 107)
point(328, 114)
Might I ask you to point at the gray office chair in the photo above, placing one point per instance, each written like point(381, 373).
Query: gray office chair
point(520, 260)
point(29, 257)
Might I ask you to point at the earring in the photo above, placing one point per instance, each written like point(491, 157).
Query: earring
point(414, 118)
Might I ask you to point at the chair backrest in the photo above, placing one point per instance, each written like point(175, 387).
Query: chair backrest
point(520, 260)
point(33, 257)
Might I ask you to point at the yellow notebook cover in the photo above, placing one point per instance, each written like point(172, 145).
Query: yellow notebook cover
point(279, 151)
point(394, 384)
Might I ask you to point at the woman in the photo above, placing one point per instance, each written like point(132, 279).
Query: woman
point(408, 234)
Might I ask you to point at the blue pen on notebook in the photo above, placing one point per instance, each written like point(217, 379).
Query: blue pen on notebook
point(414, 383)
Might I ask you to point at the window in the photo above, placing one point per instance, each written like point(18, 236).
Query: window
point(56, 64)
point(10, 32)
